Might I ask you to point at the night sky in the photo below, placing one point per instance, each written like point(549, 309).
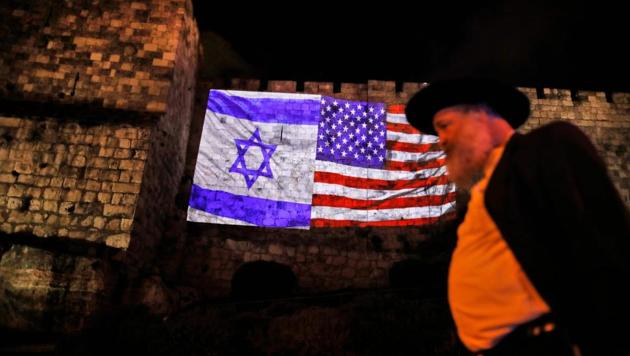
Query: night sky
point(562, 44)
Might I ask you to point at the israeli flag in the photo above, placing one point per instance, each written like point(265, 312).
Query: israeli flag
point(256, 159)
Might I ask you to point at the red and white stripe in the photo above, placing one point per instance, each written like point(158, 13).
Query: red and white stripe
point(412, 188)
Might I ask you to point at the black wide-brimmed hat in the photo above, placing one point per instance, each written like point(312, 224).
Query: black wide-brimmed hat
point(505, 100)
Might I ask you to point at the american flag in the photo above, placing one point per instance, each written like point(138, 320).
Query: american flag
point(374, 169)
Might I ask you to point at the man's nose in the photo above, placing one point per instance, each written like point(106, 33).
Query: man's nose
point(442, 141)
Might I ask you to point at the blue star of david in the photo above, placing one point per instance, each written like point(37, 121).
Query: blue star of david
point(239, 165)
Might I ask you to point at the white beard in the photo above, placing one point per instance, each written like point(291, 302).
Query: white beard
point(465, 167)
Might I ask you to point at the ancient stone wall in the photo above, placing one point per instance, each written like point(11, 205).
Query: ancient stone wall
point(328, 259)
point(95, 106)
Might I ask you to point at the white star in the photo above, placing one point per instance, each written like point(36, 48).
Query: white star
point(381, 145)
point(320, 149)
point(343, 153)
point(359, 107)
point(357, 130)
point(364, 113)
point(322, 112)
point(344, 141)
point(369, 144)
point(328, 108)
point(334, 114)
point(335, 103)
point(339, 122)
point(347, 105)
point(352, 111)
point(370, 132)
point(338, 146)
point(375, 138)
point(332, 150)
point(380, 158)
point(327, 119)
point(371, 109)
point(369, 157)
point(362, 149)
point(334, 126)
point(323, 101)
point(382, 133)
point(382, 111)
point(351, 135)
point(346, 116)
point(356, 156)
point(338, 133)
point(345, 129)
point(352, 123)
point(364, 125)
point(350, 148)
point(321, 124)
point(321, 136)
point(363, 137)
point(327, 143)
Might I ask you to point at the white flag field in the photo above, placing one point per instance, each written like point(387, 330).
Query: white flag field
point(290, 160)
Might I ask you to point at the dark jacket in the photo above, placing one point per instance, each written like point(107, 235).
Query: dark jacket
point(554, 203)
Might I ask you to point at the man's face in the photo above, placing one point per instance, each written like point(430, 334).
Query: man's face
point(466, 139)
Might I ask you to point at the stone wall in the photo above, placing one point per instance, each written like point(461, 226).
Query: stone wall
point(117, 54)
point(165, 164)
point(604, 117)
point(67, 179)
point(328, 259)
point(95, 106)
point(321, 259)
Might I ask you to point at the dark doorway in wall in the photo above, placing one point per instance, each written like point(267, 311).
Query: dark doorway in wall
point(262, 280)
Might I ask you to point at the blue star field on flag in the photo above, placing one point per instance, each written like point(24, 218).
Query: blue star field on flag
point(352, 133)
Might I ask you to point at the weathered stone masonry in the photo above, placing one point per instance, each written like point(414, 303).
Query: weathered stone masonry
point(68, 180)
point(96, 101)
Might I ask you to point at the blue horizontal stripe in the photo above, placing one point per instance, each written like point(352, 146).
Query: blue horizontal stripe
point(271, 110)
point(257, 211)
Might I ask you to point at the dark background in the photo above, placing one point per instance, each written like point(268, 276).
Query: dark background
point(561, 44)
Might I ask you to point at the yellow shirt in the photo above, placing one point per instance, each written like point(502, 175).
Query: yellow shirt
point(488, 292)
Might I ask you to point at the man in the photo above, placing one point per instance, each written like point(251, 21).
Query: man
point(542, 255)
